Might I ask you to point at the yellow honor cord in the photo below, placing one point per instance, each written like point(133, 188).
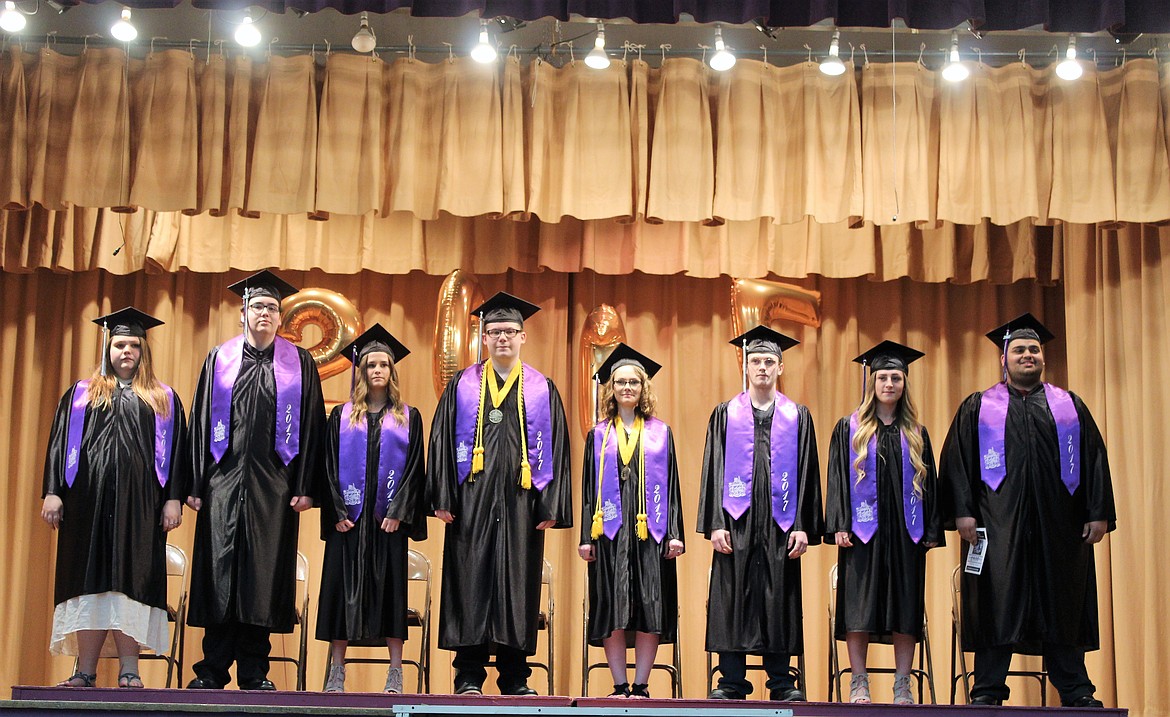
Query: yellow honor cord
point(598, 528)
point(525, 467)
point(643, 529)
point(477, 452)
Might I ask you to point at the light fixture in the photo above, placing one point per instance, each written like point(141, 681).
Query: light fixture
point(11, 20)
point(123, 30)
point(483, 51)
point(364, 40)
point(247, 34)
point(832, 64)
point(722, 60)
point(955, 70)
point(1069, 69)
point(597, 59)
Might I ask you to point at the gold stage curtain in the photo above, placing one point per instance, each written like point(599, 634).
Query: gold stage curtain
point(83, 239)
point(888, 144)
point(1109, 312)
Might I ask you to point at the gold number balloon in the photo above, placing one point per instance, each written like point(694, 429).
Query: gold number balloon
point(334, 315)
point(456, 330)
point(754, 302)
point(603, 330)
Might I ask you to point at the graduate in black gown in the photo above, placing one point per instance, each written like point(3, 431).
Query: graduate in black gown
point(1025, 462)
point(760, 505)
point(372, 503)
point(881, 510)
point(113, 485)
point(631, 529)
point(498, 476)
point(257, 426)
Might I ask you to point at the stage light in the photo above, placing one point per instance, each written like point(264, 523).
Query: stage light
point(483, 51)
point(832, 64)
point(955, 70)
point(597, 59)
point(722, 60)
point(246, 34)
point(1069, 69)
point(11, 20)
point(364, 40)
point(123, 29)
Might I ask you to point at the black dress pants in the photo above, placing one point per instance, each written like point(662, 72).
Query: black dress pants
point(733, 672)
point(511, 664)
point(246, 645)
point(1065, 665)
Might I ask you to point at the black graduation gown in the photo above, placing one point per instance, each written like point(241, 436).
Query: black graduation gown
point(1038, 585)
point(111, 537)
point(363, 578)
point(881, 585)
point(754, 603)
point(245, 557)
point(632, 586)
point(493, 554)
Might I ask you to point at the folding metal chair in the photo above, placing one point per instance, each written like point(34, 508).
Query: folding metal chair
point(544, 621)
point(301, 621)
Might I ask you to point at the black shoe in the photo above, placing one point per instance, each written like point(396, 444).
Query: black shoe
point(202, 683)
point(726, 693)
point(789, 694)
point(622, 690)
point(468, 688)
point(640, 691)
point(1087, 702)
point(986, 701)
point(262, 685)
point(518, 690)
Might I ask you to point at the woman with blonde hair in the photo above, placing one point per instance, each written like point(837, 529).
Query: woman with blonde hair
point(882, 513)
point(113, 489)
point(375, 476)
point(631, 522)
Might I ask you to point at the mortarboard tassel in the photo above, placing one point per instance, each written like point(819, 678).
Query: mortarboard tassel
point(105, 349)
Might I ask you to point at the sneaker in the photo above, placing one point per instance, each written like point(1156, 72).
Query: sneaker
point(902, 693)
point(393, 681)
point(336, 680)
point(859, 689)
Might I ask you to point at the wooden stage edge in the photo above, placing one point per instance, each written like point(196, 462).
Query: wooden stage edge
point(33, 701)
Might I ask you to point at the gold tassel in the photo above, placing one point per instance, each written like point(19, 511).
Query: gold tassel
point(643, 528)
point(477, 460)
point(525, 475)
point(597, 528)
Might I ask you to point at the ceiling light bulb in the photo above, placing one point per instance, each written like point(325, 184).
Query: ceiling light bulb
point(597, 59)
point(364, 40)
point(832, 64)
point(122, 30)
point(722, 60)
point(1069, 69)
point(483, 51)
point(247, 34)
point(955, 70)
point(11, 20)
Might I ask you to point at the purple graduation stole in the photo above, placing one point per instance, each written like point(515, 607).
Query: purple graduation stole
point(537, 422)
point(286, 370)
point(655, 446)
point(992, 424)
point(164, 439)
point(739, 455)
point(393, 441)
point(863, 495)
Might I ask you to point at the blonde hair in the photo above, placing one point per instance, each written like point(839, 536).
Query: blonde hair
point(905, 417)
point(647, 402)
point(361, 392)
point(100, 392)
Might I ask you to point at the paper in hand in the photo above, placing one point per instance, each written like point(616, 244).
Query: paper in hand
point(976, 553)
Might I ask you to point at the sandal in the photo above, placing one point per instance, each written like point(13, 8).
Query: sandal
point(859, 689)
point(130, 679)
point(622, 690)
point(638, 691)
point(79, 679)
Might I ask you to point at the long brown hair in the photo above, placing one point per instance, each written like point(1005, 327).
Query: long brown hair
point(906, 418)
point(647, 402)
point(361, 393)
point(101, 388)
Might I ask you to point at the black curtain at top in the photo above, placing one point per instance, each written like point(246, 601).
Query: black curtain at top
point(1151, 16)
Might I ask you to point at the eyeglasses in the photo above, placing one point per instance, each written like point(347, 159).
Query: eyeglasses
point(497, 333)
point(627, 382)
point(265, 308)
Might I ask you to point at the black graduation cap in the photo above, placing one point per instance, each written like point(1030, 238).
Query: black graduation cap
point(504, 307)
point(375, 338)
point(1024, 326)
point(762, 339)
point(127, 322)
point(623, 355)
point(263, 283)
point(889, 355)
